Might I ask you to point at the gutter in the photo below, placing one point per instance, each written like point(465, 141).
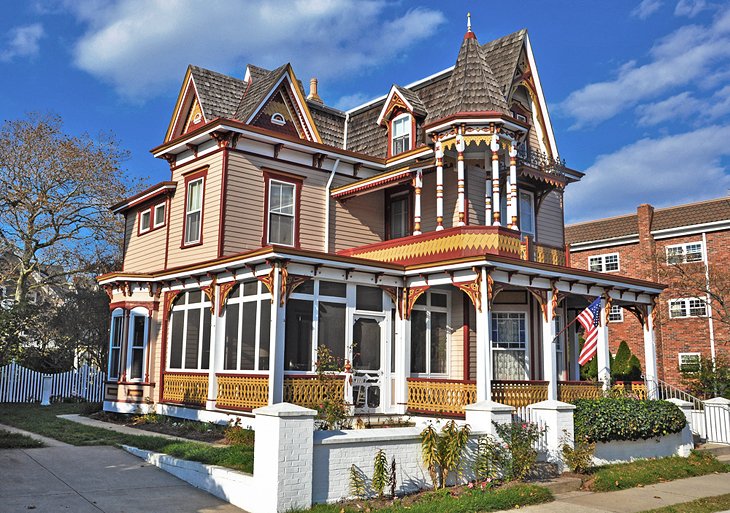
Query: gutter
point(327, 203)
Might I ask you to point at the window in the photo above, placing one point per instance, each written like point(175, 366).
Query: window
point(401, 134)
point(116, 333)
point(509, 344)
point(429, 334)
point(248, 324)
point(685, 253)
point(604, 263)
point(397, 211)
point(526, 213)
point(281, 212)
point(278, 119)
point(616, 314)
point(687, 307)
point(190, 332)
point(144, 221)
point(194, 211)
point(138, 330)
point(689, 362)
point(159, 215)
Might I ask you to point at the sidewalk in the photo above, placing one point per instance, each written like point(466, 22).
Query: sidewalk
point(637, 499)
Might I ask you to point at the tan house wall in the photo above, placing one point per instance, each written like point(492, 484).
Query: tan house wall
point(145, 252)
point(356, 221)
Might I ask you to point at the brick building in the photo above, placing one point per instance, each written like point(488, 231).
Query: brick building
point(662, 245)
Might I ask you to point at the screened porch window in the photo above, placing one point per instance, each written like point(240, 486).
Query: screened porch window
point(429, 334)
point(509, 344)
point(247, 328)
point(190, 332)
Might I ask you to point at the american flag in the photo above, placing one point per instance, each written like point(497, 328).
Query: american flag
point(590, 318)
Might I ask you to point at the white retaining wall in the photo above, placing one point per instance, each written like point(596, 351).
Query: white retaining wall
point(677, 444)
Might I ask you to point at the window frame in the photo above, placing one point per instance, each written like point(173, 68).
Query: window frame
point(525, 312)
point(619, 311)
point(397, 193)
point(138, 311)
point(602, 259)
point(429, 308)
point(289, 179)
point(684, 253)
point(686, 302)
point(141, 216)
point(520, 217)
point(117, 313)
point(262, 299)
point(155, 224)
point(691, 353)
point(190, 178)
point(408, 136)
point(181, 304)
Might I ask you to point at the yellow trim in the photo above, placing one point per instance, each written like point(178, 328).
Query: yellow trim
point(181, 94)
point(371, 179)
point(302, 102)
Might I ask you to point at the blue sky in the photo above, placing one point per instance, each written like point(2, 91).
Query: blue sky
point(639, 92)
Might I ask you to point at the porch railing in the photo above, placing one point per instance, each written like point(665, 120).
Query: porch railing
point(310, 391)
point(440, 396)
point(569, 391)
point(184, 388)
point(242, 392)
point(635, 388)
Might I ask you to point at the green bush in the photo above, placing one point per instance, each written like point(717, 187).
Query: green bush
point(625, 365)
point(622, 418)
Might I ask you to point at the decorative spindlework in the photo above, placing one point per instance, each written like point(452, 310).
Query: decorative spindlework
point(242, 392)
point(185, 388)
point(395, 296)
point(540, 296)
point(473, 289)
point(170, 297)
point(519, 393)
point(224, 290)
point(547, 255)
point(572, 390)
point(440, 396)
point(311, 391)
point(410, 297)
point(209, 291)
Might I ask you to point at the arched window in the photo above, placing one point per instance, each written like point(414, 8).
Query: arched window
point(116, 337)
point(400, 133)
point(189, 345)
point(248, 321)
point(278, 119)
point(139, 320)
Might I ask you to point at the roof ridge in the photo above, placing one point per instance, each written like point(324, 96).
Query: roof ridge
point(621, 216)
point(253, 88)
point(701, 202)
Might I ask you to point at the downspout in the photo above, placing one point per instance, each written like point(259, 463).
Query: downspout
point(327, 204)
point(709, 305)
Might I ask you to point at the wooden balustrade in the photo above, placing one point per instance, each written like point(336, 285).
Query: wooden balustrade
point(519, 393)
point(310, 391)
point(184, 388)
point(633, 388)
point(569, 391)
point(242, 392)
point(440, 396)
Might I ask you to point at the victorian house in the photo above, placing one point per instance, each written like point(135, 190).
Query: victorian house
point(419, 237)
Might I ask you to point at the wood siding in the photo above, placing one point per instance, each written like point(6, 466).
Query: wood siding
point(456, 351)
point(356, 221)
point(244, 212)
point(550, 220)
point(145, 252)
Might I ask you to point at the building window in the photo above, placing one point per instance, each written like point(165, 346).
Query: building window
point(526, 213)
point(616, 314)
point(116, 334)
point(604, 263)
point(685, 253)
point(509, 344)
point(159, 215)
point(278, 119)
point(429, 334)
point(248, 323)
point(194, 211)
point(398, 214)
point(137, 340)
point(281, 212)
point(401, 134)
point(687, 307)
point(190, 332)
point(144, 221)
point(689, 362)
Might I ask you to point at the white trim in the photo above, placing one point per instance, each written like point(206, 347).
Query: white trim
point(604, 243)
point(293, 216)
point(686, 303)
point(183, 106)
point(138, 311)
point(543, 103)
point(116, 313)
point(602, 258)
point(684, 252)
point(480, 121)
point(408, 135)
point(185, 307)
point(428, 308)
point(187, 242)
point(393, 92)
point(693, 229)
point(262, 300)
point(154, 214)
point(513, 309)
point(147, 212)
point(616, 310)
point(141, 199)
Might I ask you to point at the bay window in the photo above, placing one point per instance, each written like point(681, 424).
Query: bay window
point(116, 335)
point(137, 343)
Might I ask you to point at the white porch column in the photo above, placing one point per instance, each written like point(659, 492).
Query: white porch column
point(549, 359)
point(461, 200)
point(418, 185)
point(604, 355)
point(650, 366)
point(276, 341)
point(512, 198)
point(495, 181)
point(439, 187)
point(487, 191)
point(402, 362)
point(484, 343)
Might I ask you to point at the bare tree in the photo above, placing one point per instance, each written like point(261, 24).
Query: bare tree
point(55, 192)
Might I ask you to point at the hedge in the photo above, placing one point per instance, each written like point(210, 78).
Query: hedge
point(612, 418)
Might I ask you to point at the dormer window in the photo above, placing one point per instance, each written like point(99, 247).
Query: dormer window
point(278, 119)
point(401, 134)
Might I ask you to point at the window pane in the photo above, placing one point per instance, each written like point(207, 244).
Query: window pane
point(192, 339)
point(438, 343)
point(418, 341)
point(438, 300)
point(399, 217)
point(114, 363)
point(138, 330)
point(508, 330)
point(250, 288)
point(611, 262)
point(526, 214)
point(205, 355)
point(369, 298)
point(509, 365)
point(248, 336)
point(159, 214)
point(264, 342)
point(330, 288)
point(176, 339)
point(195, 296)
point(281, 229)
point(144, 221)
point(192, 227)
point(298, 344)
point(696, 307)
point(281, 198)
point(595, 264)
point(331, 329)
point(195, 196)
point(366, 344)
point(694, 252)
point(400, 126)
point(677, 309)
point(230, 347)
point(135, 372)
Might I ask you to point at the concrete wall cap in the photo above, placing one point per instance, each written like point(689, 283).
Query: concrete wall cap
point(680, 402)
point(718, 400)
point(285, 410)
point(489, 406)
point(551, 404)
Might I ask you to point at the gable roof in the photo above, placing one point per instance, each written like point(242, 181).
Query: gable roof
point(262, 81)
point(218, 94)
point(502, 55)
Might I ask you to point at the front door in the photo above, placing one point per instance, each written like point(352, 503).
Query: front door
point(369, 363)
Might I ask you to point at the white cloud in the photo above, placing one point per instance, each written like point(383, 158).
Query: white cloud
point(142, 47)
point(681, 58)
point(352, 100)
point(646, 8)
point(661, 171)
point(690, 8)
point(22, 42)
point(684, 106)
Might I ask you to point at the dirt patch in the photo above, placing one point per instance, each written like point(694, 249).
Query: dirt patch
point(190, 429)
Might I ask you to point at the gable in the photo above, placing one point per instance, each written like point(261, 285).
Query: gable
point(195, 118)
point(278, 115)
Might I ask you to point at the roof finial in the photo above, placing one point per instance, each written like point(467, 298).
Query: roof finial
point(468, 22)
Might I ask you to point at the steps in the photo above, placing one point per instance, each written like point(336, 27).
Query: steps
point(717, 450)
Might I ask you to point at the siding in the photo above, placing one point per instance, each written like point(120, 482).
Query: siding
point(244, 212)
point(356, 221)
point(550, 220)
point(456, 356)
point(211, 213)
point(146, 252)
point(475, 191)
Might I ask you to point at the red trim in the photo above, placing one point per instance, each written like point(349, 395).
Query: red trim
point(224, 194)
point(436, 412)
point(152, 306)
point(162, 188)
point(264, 374)
point(295, 180)
point(189, 177)
point(167, 234)
point(403, 176)
point(443, 380)
point(184, 373)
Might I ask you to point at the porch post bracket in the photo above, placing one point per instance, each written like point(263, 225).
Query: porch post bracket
point(209, 291)
point(109, 289)
point(654, 309)
point(292, 282)
point(170, 297)
point(224, 290)
point(540, 296)
point(609, 302)
point(411, 296)
point(557, 297)
point(639, 311)
point(472, 288)
point(268, 281)
point(394, 295)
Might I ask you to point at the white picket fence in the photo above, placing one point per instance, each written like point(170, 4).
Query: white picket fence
point(21, 385)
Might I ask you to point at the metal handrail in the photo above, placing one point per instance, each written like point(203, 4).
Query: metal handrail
point(539, 160)
point(668, 391)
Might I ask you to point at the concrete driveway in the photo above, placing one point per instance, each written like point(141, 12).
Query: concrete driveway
point(92, 480)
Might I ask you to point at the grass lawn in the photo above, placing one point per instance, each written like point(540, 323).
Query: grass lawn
point(442, 501)
point(646, 472)
point(706, 505)
point(10, 440)
point(43, 420)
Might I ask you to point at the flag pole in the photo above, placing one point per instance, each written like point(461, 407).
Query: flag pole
point(555, 338)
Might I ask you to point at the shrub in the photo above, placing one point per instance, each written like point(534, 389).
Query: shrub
point(332, 412)
point(622, 418)
point(625, 365)
point(578, 454)
point(237, 435)
point(709, 379)
point(380, 472)
point(511, 458)
point(442, 454)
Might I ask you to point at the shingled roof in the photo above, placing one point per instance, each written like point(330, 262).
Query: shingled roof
point(260, 86)
point(218, 94)
point(419, 109)
point(678, 216)
point(502, 55)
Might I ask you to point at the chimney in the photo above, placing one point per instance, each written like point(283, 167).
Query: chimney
point(313, 91)
point(647, 245)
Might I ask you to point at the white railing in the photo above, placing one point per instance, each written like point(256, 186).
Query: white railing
point(666, 391)
point(525, 414)
point(717, 421)
point(21, 385)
